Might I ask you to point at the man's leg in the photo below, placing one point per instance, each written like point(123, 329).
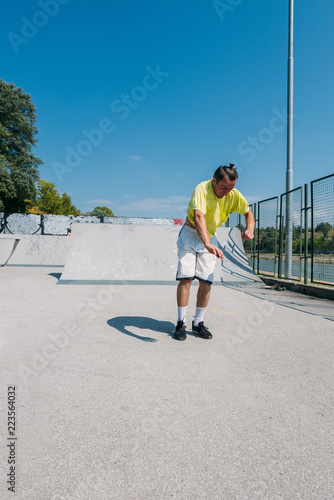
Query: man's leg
point(185, 274)
point(183, 291)
point(203, 296)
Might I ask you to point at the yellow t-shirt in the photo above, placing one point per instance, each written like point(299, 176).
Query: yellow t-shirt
point(216, 210)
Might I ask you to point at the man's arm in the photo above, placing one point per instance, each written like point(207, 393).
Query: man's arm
point(250, 226)
point(200, 225)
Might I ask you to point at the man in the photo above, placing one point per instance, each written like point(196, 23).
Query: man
point(210, 205)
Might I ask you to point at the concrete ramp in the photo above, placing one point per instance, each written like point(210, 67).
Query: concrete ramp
point(103, 254)
point(33, 250)
point(108, 253)
point(7, 248)
point(235, 266)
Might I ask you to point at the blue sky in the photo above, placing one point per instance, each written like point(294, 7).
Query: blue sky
point(137, 102)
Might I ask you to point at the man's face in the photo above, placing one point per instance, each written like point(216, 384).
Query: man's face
point(223, 187)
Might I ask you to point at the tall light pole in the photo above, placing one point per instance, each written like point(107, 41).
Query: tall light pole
point(289, 163)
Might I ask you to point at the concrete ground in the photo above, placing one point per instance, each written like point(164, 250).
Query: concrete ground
point(110, 406)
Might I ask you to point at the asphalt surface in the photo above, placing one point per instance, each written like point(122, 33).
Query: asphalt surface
point(110, 406)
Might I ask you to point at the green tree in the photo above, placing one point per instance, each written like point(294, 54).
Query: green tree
point(66, 206)
point(6, 185)
point(324, 228)
point(319, 243)
point(49, 201)
point(102, 212)
point(267, 239)
point(4, 136)
point(48, 198)
point(296, 232)
point(7, 190)
point(19, 166)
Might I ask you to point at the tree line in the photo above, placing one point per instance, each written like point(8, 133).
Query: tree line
point(267, 239)
point(21, 188)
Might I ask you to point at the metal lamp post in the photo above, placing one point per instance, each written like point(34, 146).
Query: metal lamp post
point(289, 166)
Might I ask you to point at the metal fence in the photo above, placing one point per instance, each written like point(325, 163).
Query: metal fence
point(294, 236)
point(267, 236)
point(290, 235)
point(234, 220)
point(322, 230)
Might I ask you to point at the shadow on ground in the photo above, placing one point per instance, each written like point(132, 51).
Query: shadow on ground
point(292, 300)
point(55, 275)
point(123, 323)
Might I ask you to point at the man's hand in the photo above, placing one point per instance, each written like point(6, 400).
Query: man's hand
point(250, 226)
point(247, 235)
point(215, 251)
point(200, 225)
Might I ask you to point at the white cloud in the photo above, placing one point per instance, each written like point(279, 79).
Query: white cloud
point(128, 196)
point(98, 202)
point(136, 157)
point(252, 199)
point(169, 207)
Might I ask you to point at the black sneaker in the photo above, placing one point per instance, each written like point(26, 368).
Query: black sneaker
point(180, 331)
point(202, 330)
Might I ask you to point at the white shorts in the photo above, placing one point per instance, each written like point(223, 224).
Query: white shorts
point(194, 259)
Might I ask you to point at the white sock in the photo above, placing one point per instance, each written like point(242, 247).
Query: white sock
point(182, 311)
point(199, 315)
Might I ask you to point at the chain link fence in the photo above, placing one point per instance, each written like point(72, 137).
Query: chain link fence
point(234, 220)
point(250, 246)
point(290, 235)
point(267, 236)
point(322, 230)
point(294, 236)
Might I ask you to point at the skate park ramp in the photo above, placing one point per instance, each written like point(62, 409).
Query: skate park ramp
point(7, 248)
point(235, 266)
point(104, 254)
point(33, 250)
